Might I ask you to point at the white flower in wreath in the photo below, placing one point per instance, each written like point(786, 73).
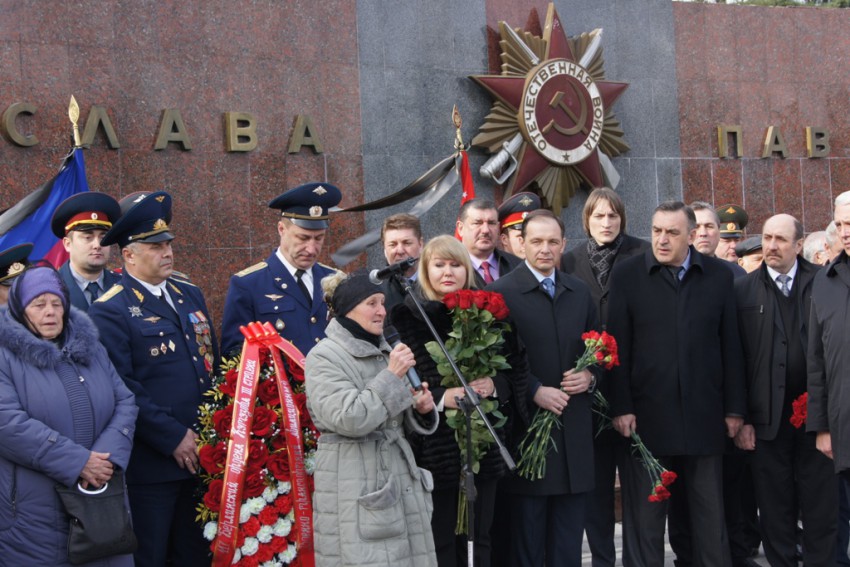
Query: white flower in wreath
point(310, 463)
point(210, 530)
point(255, 505)
point(250, 546)
point(244, 513)
point(283, 487)
point(265, 534)
point(270, 494)
point(282, 527)
point(272, 564)
point(237, 557)
point(288, 554)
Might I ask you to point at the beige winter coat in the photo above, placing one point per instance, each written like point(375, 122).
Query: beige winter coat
point(372, 504)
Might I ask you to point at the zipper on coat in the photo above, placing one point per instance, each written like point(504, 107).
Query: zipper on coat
point(14, 494)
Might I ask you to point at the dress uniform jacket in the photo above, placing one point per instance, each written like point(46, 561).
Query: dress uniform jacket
point(267, 292)
point(78, 298)
point(166, 359)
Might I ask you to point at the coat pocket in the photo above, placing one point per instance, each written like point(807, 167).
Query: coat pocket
point(427, 480)
point(380, 514)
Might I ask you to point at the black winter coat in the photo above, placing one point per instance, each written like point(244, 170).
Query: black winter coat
point(439, 452)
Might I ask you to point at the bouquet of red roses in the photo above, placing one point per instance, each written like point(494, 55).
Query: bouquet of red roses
point(800, 408)
point(267, 523)
point(659, 476)
point(599, 349)
point(475, 344)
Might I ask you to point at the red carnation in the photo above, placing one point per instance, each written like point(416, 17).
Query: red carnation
point(268, 393)
point(662, 492)
point(212, 499)
point(450, 300)
point(667, 478)
point(800, 408)
point(213, 457)
point(268, 516)
point(251, 527)
point(283, 504)
point(240, 538)
point(278, 544)
point(654, 498)
point(249, 561)
point(254, 485)
point(278, 464)
point(264, 553)
point(264, 421)
point(599, 356)
point(221, 420)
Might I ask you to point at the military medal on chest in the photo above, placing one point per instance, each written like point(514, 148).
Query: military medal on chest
point(201, 326)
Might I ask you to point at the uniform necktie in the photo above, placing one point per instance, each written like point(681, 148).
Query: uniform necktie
point(784, 280)
point(549, 286)
point(164, 298)
point(94, 291)
point(298, 275)
point(485, 268)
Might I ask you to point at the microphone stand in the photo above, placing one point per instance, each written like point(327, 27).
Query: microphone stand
point(468, 404)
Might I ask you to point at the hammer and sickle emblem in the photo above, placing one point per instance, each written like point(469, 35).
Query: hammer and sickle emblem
point(578, 121)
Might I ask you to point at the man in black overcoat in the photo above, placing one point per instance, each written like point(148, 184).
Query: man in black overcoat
point(547, 516)
point(679, 383)
point(791, 476)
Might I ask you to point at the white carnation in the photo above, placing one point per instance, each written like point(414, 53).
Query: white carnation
point(250, 546)
point(210, 530)
point(265, 534)
point(310, 464)
point(283, 487)
point(271, 563)
point(244, 514)
point(288, 554)
point(282, 527)
point(270, 494)
point(237, 557)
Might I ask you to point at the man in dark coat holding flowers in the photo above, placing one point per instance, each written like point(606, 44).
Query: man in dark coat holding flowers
point(549, 311)
point(679, 383)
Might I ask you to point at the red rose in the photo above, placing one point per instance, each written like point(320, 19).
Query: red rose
point(221, 421)
point(464, 299)
point(257, 452)
point(283, 504)
point(450, 300)
point(278, 465)
point(254, 485)
point(264, 553)
point(251, 527)
point(278, 442)
point(278, 544)
point(479, 298)
point(268, 516)
point(213, 457)
point(497, 306)
point(212, 499)
point(667, 478)
point(296, 372)
point(228, 387)
point(300, 399)
point(264, 421)
point(268, 393)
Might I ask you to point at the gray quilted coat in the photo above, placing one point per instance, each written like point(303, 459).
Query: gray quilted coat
point(372, 504)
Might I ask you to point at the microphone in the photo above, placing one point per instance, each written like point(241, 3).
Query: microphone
point(392, 337)
point(378, 277)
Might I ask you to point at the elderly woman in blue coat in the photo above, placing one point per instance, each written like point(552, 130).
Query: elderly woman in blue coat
point(65, 417)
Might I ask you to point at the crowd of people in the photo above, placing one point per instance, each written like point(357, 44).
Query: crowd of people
point(719, 336)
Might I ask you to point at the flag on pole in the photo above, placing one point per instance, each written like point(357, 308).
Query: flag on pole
point(29, 219)
point(467, 185)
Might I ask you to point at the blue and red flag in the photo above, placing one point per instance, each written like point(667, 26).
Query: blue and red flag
point(29, 219)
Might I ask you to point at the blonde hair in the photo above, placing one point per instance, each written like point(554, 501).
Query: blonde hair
point(448, 248)
point(330, 283)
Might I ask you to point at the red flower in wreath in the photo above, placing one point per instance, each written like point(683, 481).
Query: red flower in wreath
point(264, 553)
point(268, 393)
point(212, 499)
point(264, 420)
point(213, 457)
point(268, 516)
point(229, 385)
point(283, 504)
point(255, 483)
point(278, 464)
point(221, 420)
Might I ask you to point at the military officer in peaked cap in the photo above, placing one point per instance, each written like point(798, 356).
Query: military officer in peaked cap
point(733, 220)
point(158, 333)
point(80, 221)
point(285, 289)
point(511, 214)
point(12, 262)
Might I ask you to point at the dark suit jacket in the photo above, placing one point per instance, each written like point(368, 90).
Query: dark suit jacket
point(506, 261)
point(551, 331)
point(78, 298)
point(267, 292)
point(166, 358)
point(681, 368)
point(577, 263)
point(764, 341)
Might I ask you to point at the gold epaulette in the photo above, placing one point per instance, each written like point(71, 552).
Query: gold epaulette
point(251, 269)
point(112, 292)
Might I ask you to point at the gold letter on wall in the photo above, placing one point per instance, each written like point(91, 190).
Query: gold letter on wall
point(724, 131)
point(10, 130)
point(817, 142)
point(773, 142)
point(304, 134)
point(240, 131)
point(97, 117)
point(172, 129)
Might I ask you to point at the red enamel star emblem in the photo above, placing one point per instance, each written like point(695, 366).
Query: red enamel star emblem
point(552, 110)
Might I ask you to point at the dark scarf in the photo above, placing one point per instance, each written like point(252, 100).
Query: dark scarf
point(601, 257)
point(359, 332)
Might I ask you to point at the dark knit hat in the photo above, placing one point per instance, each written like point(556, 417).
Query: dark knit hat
point(351, 291)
